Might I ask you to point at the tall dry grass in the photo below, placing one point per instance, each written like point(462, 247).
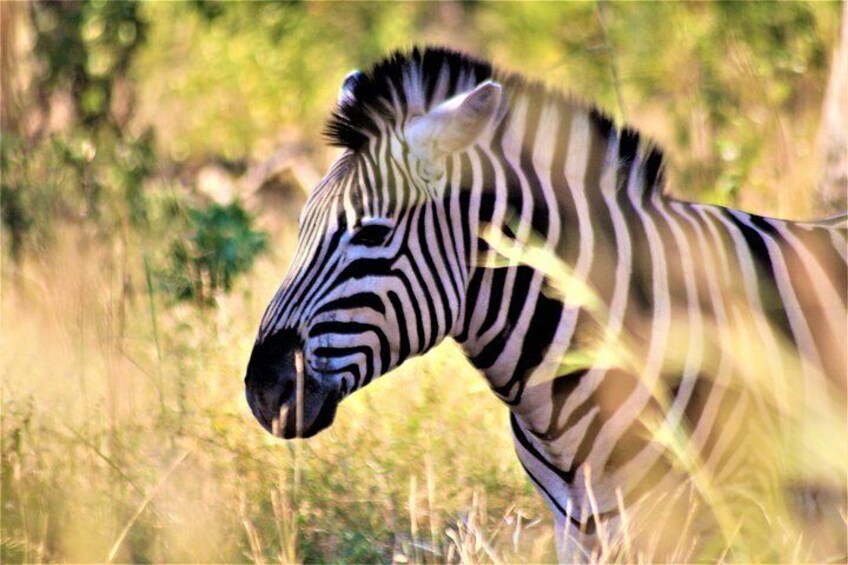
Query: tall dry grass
point(126, 437)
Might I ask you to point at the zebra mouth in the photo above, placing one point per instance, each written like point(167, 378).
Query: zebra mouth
point(287, 398)
point(288, 422)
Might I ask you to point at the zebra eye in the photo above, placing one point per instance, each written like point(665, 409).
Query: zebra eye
point(371, 235)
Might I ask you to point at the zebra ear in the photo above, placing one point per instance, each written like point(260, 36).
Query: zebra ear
point(346, 91)
point(456, 123)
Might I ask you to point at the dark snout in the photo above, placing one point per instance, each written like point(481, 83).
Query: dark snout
point(287, 400)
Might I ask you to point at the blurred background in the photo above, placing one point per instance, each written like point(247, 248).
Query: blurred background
point(154, 160)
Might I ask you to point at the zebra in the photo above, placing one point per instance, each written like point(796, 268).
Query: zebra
point(472, 203)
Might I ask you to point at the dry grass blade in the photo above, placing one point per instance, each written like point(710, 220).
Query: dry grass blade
point(141, 507)
point(252, 534)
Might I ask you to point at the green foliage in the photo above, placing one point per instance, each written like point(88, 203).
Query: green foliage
point(85, 48)
point(715, 82)
point(83, 175)
point(245, 70)
point(95, 170)
point(700, 78)
point(221, 244)
point(90, 170)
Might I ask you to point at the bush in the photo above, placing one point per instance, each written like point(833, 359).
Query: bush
point(221, 244)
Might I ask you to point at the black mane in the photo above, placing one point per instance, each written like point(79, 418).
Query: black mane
point(353, 120)
point(371, 100)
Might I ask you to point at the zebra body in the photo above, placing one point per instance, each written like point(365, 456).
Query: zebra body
point(627, 323)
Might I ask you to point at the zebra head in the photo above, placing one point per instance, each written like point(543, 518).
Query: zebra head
point(381, 265)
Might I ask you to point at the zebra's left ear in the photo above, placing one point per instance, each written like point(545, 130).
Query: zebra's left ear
point(454, 124)
point(346, 91)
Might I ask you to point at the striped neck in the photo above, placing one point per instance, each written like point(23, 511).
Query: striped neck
point(548, 173)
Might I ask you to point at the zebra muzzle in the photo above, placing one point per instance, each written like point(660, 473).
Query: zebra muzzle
point(286, 398)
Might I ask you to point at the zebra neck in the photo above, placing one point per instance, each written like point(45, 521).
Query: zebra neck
point(557, 175)
point(517, 333)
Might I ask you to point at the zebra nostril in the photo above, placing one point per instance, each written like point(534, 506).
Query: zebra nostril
point(270, 403)
point(271, 378)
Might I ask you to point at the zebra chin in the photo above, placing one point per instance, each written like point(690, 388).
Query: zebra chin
point(286, 398)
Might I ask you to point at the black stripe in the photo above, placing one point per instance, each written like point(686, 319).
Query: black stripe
point(537, 340)
point(561, 389)
point(434, 273)
point(516, 303)
point(540, 219)
point(330, 352)
point(770, 299)
point(353, 328)
point(422, 280)
point(472, 296)
point(402, 331)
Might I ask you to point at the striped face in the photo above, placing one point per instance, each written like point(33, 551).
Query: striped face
point(340, 317)
point(379, 274)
